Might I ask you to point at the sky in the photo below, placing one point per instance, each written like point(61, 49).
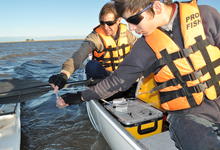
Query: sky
point(53, 19)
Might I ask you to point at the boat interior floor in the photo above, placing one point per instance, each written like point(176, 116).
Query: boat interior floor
point(159, 141)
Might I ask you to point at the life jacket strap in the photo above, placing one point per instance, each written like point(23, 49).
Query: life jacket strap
point(110, 50)
point(179, 78)
point(167, 96)
point(105, 65)
point(189, 77)
point(155, 67)
point(199, 45)
point(210, 81)
point(123, 46)
point(174, 82)
point(202, 44)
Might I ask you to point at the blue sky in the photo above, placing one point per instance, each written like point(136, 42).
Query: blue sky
point(52, 19)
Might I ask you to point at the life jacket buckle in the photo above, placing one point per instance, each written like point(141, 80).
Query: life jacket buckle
point(201, 87)
point(197, 74)
point(187, 51)
point(175, 82)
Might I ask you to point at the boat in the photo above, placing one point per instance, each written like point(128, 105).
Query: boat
point(108, 119)
point(10, 126)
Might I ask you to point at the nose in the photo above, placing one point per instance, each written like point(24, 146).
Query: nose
point(106, 26)
point(132, 27)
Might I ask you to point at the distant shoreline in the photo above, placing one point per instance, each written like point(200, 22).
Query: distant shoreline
point(40, 41)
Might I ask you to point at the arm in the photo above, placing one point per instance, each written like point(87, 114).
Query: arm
point(137, 62)
point(134, 65)
point(59, 80)
point(91, 42)
point(74, 62)
point(211, 22)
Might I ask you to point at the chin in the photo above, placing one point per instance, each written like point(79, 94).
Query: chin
point(109, 34)
point(146, 33)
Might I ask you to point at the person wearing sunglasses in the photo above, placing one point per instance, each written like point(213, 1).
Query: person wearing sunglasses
point(180, 46)
point(108, 44)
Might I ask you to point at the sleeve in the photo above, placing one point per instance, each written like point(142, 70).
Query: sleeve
point(133, 67)
point(211, 22)
point(91, 42)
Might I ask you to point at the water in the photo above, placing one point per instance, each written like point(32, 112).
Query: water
point(44, 126)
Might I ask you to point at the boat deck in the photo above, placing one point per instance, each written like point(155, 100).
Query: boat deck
point(159, 141)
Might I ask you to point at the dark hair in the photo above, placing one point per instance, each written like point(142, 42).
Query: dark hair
point(133, 5)
point(108, 8)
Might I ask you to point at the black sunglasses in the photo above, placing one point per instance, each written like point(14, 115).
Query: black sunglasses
point(137, 18)
point(109, 23)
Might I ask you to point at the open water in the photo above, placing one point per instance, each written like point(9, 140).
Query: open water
point(44, 126)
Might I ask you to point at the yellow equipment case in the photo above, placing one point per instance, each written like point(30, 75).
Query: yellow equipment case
point(139, 118)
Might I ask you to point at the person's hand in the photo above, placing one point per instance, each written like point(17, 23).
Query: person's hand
point(60, 103)
point(58, 80)
point(71, 99)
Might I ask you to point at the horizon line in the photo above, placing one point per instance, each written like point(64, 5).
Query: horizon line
point(27, 41)
point(10, 39)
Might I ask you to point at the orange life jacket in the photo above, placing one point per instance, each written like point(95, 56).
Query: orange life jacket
point(186, 75)
point(113, 53)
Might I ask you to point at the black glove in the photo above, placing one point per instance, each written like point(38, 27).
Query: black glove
point(72, 98)
point(58, 80)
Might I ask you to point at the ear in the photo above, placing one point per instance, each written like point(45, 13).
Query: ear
point(157, 7)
